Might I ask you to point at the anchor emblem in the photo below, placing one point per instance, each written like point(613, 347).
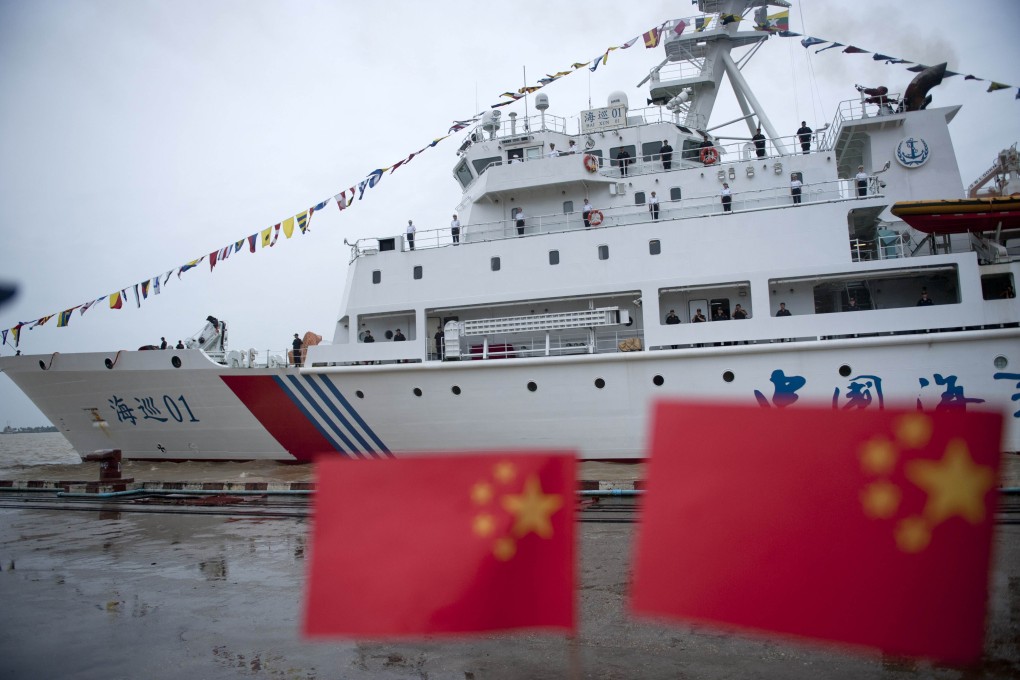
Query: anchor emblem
point(912, 152)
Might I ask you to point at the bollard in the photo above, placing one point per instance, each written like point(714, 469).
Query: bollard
point(109, 466)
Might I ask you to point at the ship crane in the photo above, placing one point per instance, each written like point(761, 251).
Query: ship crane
point(1005, 170)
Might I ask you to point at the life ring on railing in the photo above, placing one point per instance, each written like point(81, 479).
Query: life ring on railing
point(595, 218)
point(709, 155)
point(591, 163)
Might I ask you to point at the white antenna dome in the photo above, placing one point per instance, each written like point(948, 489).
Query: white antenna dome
point(617, 98)
point(541, 102)
point(490, 121)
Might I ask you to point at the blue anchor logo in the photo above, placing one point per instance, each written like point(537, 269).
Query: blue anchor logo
point(912, 152)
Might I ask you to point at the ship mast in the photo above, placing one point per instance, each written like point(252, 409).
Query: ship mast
point(696, 61)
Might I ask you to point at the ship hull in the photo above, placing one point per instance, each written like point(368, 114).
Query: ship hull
point(597, 405)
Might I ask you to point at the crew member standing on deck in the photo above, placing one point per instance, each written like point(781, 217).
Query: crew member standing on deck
point(653, 206)
point(666, 152)
point(297, 345)
point(455, 229)
point(410, 235)
point(759, 143)
point(727, 197)
point(586, 213)
point(795, 187)
point(519, 218)
point(804, 135)
point(162, 345)
point(862, 182)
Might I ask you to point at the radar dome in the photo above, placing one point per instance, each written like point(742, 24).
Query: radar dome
point(541, 102)
point(490, 121)
point(617, 99)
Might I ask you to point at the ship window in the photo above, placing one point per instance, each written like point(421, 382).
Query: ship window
point(568, 207)
point(997, 287)
point(515, 155)
point(692, 150)
point(639, 198)
point(376, 276)
point(463, 174)
point(494, 264)
point(674, 194)
point(603, 252)
point(533, 152)
point(481, 164)
point(554, 257)
point(650, 151)
point(654, 247)
point(417, 271)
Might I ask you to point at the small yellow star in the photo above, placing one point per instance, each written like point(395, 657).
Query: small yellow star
point(955, 485)
point(880, 499)
point(481, 493)
point(504, 548)
point(484, 525)
point(505, 472)
point(913, 430)
point(912, 534)
point(532, 509)
point(878, 456)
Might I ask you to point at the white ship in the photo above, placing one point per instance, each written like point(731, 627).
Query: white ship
point(541, 324)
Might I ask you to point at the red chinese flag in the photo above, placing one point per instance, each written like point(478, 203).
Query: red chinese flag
point(866, 527)
point(442, 544)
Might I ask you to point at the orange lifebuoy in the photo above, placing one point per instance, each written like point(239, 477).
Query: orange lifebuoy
point(709, 155)
point(591, 163)
point(595, 218)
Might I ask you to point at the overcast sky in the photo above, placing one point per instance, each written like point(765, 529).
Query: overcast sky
point(136, 136)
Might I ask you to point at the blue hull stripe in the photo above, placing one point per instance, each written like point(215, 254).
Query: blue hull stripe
point(336, 411)
point(344, 444)
point(354, 414)
point(333, 416)
point(300, 405)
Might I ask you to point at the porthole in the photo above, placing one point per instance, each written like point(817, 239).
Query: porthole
point(455, 389)
point(42, 365)
point(532, 386)
point(1001, 362)
point(359, 394)
point(600, 383)
point(845, 370)
point(109, 362)
point(175, 361)
point(417, 391)
point(727, 376)
point(658, 380)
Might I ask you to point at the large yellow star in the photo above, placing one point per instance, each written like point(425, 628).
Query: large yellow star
point(955, 485)
point(532, 509)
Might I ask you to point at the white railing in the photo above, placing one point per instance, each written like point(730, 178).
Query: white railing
point(685, 208)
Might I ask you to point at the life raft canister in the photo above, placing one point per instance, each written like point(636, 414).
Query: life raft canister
point(591, 163)
point(709, 155)
point(595, 218)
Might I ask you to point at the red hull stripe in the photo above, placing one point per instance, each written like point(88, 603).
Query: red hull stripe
point(282, 418)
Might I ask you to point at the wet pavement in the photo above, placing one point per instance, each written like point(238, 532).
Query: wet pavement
point(110, 594)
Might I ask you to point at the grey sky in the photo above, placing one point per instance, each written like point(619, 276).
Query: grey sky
point(136, 136)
